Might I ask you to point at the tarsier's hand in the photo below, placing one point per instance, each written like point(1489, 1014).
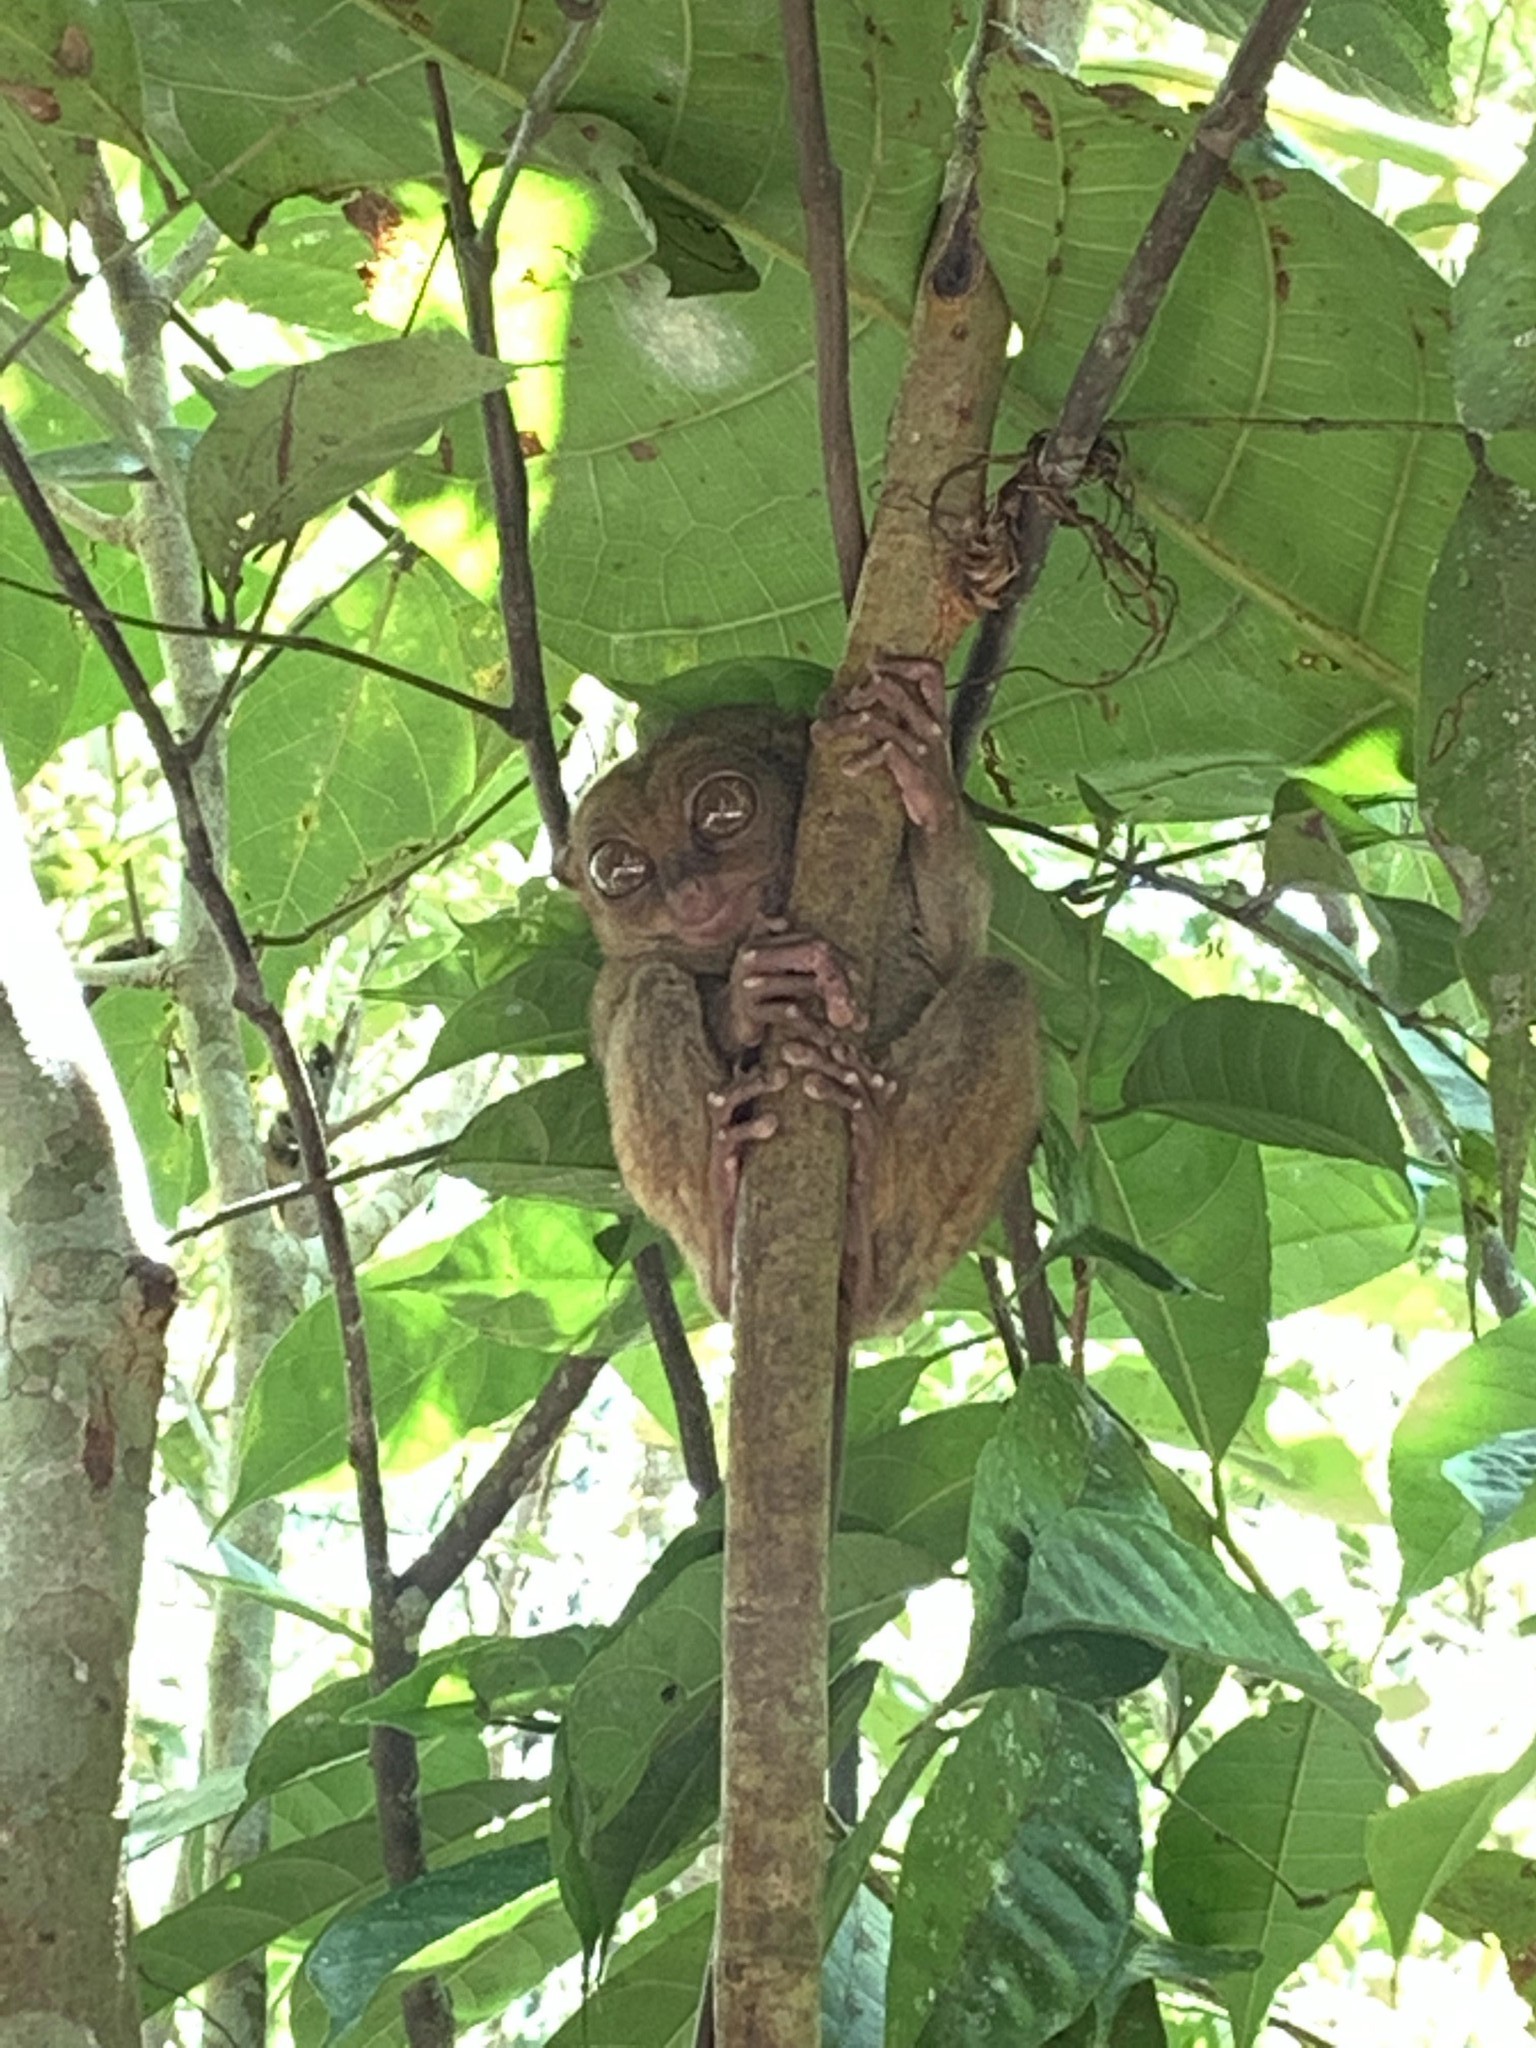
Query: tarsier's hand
point(900, 717)
point(791, 979)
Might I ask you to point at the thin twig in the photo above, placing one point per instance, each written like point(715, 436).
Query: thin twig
point(1233, 115)
point(695, 1430)
point(297, 643)
point(1002, 1317)
point(393, 1657)
point(821, 202)
point(339, 1177)
point(1037, 1307)
point(514, 1470)
point(528, 712)
point(582, 17)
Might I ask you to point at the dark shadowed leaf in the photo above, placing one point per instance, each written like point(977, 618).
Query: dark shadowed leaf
point(1017, 1882)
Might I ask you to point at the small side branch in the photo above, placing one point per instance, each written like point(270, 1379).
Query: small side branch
point(695, 1431)
point(821, 201)
point(516, 1466)
point(476, 262)
point(1234, 114)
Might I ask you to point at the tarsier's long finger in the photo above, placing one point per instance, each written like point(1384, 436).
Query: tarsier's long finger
point(924, 674)
point(782, 968)
point(750, 1131)
point(833, 1073)
point(902, 702)
point(882, 730)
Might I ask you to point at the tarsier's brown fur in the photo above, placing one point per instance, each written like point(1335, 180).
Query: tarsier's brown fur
point(683, 856)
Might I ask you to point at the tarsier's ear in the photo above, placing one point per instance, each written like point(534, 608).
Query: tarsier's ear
point(564, 866)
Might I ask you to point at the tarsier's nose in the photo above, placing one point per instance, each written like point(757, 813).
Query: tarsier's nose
point(692, 899)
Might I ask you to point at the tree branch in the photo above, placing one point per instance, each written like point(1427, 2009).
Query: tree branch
point(695, 1431)
point(582, 17)
point(393, 1754)
point(1233, 115)
point(529, 707)
point(821, 202)
point(516, 1467)
point(1002, 1317)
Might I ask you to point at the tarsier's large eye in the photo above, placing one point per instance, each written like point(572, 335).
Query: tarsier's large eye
point(617, 868)
point(722, 806)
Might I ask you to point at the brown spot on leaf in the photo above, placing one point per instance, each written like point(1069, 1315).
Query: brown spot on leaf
point(644, 451)
point(74, 55)
point(1268, 187)
point(1039, 116)
point(35, 101)
point(376, 217)
point(529, 442)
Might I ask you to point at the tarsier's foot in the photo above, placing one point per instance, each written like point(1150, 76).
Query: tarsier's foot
point(899, 716)
point(836, 1069)
point(789, 978)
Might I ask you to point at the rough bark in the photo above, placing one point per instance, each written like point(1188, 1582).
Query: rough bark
point(82, 1358)
point(789, 1235)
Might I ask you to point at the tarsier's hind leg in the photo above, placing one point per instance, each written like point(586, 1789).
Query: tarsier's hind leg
point(967, 1105)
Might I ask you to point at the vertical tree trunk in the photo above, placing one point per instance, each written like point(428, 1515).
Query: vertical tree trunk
point(83, 1314)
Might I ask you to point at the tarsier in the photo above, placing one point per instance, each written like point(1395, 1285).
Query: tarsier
point(683, 857)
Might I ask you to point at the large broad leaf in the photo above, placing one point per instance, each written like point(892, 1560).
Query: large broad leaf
point(1494, 306)
point(359, 1949)
point(74, 67)
point(1475, 735)
point(649, 1995)
point(1333, 1224)
point(550, 1139)
point(273, 1894)
point(1300, 561)
point(638, 1754)
point(295, 444)
point(1264, 1848)
point(914, 1482)
point(1017, 1882)
point(1417, 1847)
point(1463, 1463)
point(1092, 1571)
point(1195, 1199)
point(340, 780)
point(1268, 1072)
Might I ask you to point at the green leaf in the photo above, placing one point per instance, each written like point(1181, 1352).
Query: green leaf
point(175, 1814)
point(1265, 1846)
point(1493, 1892)
point(1018, 1880)
point(1128, 1574)
point(637, 1759)
point(698, 255)
point(1493, 306)
point(273, 1894)
point(73, 66)
point(540, 1007)
point(1480, 1403)
point(256, 1582)
point(136, 1026)
point(1475, 731)
point(1416, 956)
point(1193, 1198)
point(278, 452)
point(1300, 567)
point(341, 779)
point(1396, 52)
point(1418, 1846)
point(853, 1976)
point(1268, 1072)
point(434, 1376)
point(490, 1677)
point(913, 1482)
point(548, 1139)
point(359, 1949)
point(650, 1989)
point(1333, 1224)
